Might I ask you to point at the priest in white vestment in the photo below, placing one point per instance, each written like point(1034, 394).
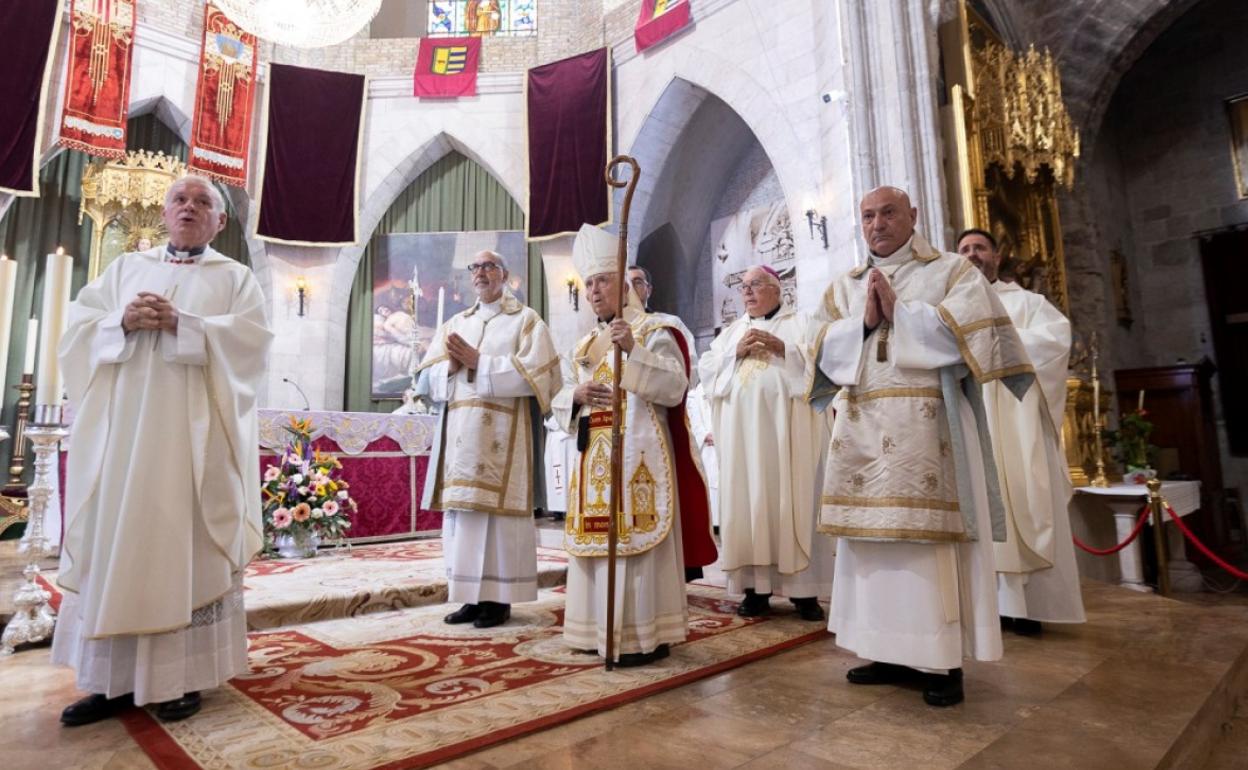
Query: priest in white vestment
point(1037, 578)
point(704, 441)
point(492, 371)
point(665, 523)
point(163, 357)
point(770, 442)
point(643, 285)
point(908, 339)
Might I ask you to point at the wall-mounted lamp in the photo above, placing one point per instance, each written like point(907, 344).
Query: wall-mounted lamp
point(821, 225)
point(301, 287)
point(574, 294)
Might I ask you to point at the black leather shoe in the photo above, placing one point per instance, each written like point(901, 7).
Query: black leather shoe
point(1026, 627)
point(879, 673)
point(808, 608)
point(754, 605)
point(634, 659)
point(943, 689)
point(94, 708)
point(178, 708)
point(465, 614)
point(492, 614)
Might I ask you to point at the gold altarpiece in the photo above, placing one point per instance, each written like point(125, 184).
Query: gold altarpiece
point(1012, 145)
point(124, 199)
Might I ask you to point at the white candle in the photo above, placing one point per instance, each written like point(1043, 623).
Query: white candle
point(1140, 408)
point(441, 300)
point(8, 284)
point(56, 276)
point(32, 344)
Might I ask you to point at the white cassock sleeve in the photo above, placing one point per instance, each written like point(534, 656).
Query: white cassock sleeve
point(717, 364)
point(497, 377)
point(655, 372)
point(920, 339)
point(112, 344)
point(1046, 338)
point(188, 345)
point(840, 355)
point(563, 409)
point(794, 367)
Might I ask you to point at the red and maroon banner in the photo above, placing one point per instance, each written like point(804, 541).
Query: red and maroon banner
point(224, 100)
point(29, 33)
point(310, 178)
point(97, 91)
point(568, 135)
point(658, 20)
point(446, 67)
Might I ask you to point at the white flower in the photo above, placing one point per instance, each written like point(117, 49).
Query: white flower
point(272, 473)
point(330, 508)
point(317, 513)
point(342, 494)
point(303, 490)
point(297, 478)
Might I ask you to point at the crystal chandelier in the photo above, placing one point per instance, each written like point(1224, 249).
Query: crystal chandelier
point(301, 23)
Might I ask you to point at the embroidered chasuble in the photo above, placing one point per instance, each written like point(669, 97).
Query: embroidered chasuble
point(163, 498)
point(485, 447)
point(897, 462)
point(662, 473)
point(1039, 578)
point(769, 441)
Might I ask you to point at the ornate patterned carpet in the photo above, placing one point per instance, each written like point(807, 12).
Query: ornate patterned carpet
point(401, 689)
point(348, 583)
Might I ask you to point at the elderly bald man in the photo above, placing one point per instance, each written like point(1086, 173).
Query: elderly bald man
point(769, 443)
point(905, 342)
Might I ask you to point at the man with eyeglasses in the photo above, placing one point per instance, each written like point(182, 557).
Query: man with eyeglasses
point(769, 442)
point(665, 523)
point(639, 278)
point(491, 371)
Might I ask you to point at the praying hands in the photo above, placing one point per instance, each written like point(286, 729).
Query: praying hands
point(759, 343)
point(880, 300)
point(150, 311)
point(461, 353)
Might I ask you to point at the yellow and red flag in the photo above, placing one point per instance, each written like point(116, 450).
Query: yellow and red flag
point(659, 20)
point(224, 100)
point(446, 67)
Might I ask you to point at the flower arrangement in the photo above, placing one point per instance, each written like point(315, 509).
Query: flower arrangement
point(1130, 444)
point(303, 499)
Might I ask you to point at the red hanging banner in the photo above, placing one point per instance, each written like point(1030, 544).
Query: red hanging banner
point(224, 100)
point(97, 90)
point(446, 67)
point(658, 20)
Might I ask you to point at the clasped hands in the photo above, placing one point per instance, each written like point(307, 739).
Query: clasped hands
point(759, 343)
point(462, 354)
point(595, 394)
point(150, 311)
point(881, 299)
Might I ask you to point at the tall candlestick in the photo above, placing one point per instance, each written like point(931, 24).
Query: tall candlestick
point(56, 277)
point(441, 300)
point(8, 284)
point(32, 344)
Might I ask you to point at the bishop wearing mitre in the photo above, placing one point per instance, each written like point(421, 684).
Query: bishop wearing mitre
point(665, 523)
point(492, 371)
point(1037, 579)
point(908, 340)
point(769, 442)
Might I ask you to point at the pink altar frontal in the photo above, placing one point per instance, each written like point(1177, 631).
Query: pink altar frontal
point(384, 458)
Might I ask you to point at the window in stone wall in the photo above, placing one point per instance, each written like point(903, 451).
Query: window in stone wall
point(509, 18)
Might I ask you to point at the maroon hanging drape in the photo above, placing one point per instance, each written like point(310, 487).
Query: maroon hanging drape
point(568, 144)
point(28, 29)
point(311, 160)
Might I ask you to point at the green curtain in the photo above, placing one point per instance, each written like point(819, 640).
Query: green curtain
point(33, 227)
point(453, 195)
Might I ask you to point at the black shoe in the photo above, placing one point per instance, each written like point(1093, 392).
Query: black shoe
point(178, 708)
point(492, 614)
point(465, 614)
point(808, 608)
point(634, 659)
point(754, 605)
point(943, 689)
point(1026, 627)
point(94, 708)
point(879, 673)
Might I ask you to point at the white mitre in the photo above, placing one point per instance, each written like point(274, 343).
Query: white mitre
point(596, 251)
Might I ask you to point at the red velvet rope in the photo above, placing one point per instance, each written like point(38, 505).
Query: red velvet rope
point(1178, 522)
point(1139, 525)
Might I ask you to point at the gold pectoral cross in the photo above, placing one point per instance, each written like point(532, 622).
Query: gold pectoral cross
point(881, 348)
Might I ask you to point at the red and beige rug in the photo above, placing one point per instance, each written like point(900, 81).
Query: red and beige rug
point(402, 689)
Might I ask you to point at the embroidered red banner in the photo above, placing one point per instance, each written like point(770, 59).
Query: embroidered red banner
point(659, 20)
point(97, 91)
point(224, 100)
point(29, 32)
point(446, 67)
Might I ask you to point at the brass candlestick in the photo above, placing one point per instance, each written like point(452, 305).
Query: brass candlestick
point(17, 464)
point(1098, 421)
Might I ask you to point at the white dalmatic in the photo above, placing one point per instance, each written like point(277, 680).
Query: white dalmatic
point(905, 486)
point(482, 471)
point(699, 411)
point(770, 443)
point(650, 581)
point(163, 493)
point(1036, 571)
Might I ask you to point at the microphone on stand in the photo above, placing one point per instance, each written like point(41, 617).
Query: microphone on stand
point(307, 406)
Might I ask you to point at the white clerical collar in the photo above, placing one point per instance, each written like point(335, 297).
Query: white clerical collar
point(899, 257)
